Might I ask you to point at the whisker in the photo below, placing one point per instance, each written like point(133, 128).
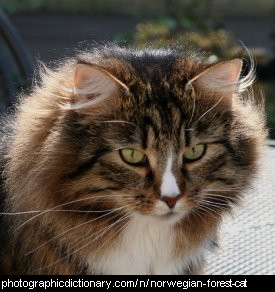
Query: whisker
point(54, 208)
point(206, 204)
point(118, 148)
point(120, 230)
point(218, 206)
point(58, 210)
point(77, 226)
point(221, 190)
point(19, 213)
point(218, 197)
point(208, 207)
point(107, 226)
point(102, 232)
point(213, 194)
point(214, 203)
point(75, 251)
point(208, 211)
point(118, 121)
point(200, 214)
point(190, 86)
point(208, 111)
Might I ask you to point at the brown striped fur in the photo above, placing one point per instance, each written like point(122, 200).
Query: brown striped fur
point(54, 156)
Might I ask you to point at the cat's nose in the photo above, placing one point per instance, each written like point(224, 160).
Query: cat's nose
point(171, 201)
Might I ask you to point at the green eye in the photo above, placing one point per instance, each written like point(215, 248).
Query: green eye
point(133, 156)
point(194, 153)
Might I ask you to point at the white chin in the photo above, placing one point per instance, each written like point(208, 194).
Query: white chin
point(164, 213)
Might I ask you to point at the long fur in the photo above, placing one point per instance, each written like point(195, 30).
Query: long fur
point(71, 205)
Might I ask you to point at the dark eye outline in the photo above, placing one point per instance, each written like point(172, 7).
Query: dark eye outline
point(143, 163)
point(187, 160)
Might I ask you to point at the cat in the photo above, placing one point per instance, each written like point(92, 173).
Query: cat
point(124, 161)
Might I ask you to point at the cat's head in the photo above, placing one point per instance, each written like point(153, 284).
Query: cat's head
point(165, 135)
point(148, 132)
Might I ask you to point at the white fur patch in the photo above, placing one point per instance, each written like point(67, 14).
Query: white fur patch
point(169, 186)
point(146, 247)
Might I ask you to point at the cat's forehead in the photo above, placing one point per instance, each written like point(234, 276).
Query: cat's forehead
point(157, 84)
point(156, 68)
point(163, 115)
point(158, 103)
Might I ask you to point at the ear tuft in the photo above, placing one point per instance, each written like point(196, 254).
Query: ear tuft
point(92, 85)
point(221, 78)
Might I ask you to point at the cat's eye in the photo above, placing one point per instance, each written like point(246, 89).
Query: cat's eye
point(133, 156)
point(192, 154)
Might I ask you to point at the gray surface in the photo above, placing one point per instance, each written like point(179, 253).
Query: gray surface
point(247, 239)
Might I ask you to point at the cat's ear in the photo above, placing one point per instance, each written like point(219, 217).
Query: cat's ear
point(93, 85)
point(221, 78)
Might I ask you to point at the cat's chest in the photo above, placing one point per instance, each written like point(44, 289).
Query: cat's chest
point(146, 247)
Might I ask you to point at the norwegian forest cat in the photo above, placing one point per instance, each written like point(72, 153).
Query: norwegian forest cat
point(123, 161)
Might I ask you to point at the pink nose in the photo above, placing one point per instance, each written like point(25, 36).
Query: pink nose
point(171, 201)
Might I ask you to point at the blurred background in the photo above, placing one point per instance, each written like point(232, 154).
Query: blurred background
point(51, 29)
